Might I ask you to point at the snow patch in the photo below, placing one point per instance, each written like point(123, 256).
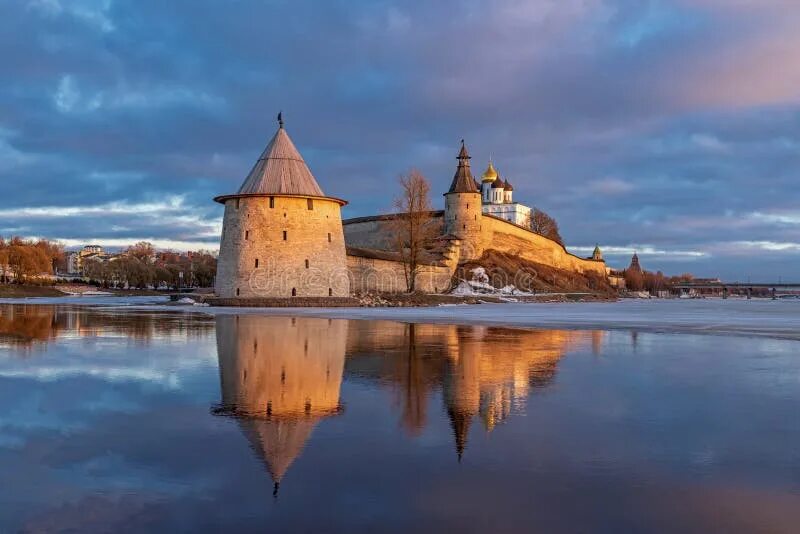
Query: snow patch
point(479, 285)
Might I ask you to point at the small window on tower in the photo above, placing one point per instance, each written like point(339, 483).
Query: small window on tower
point(246, 235)
point(271, 202)
point(237, 293)
point(294, 292)
point(310, 203)
point(256, 263)
point(306, 264)
point(465, 227)
point(284, 235)
point(330, 292)
point(329, 237)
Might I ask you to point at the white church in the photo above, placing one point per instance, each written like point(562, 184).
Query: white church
point(498, 199)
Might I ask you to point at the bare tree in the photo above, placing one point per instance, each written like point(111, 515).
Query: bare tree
point(142, 251)
point(413, 228)
point(544, 225)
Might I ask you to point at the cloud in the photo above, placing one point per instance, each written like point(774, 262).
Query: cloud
point(664, 123)
point(94, 13)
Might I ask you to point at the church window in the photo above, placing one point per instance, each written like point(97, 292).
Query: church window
point(256, 263)
point(329, 237)
point(237, 293)
point(246, 235)
point(284, 235)
point(330, 291)
point(294, 291)
point(310, 204)
point(271, 202)
point(306, 264)
point(465, 227)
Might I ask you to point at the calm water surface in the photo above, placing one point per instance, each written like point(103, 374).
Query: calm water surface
point(168, 421)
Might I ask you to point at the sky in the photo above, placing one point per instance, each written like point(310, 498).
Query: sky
point(667, 127)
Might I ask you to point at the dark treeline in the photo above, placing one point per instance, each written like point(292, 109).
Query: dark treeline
point(653, 282)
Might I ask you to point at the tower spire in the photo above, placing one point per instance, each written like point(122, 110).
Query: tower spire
point(463, 182)
point(280, 119)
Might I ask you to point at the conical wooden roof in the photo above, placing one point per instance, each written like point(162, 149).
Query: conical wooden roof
point(278, 443)
point(281, 170)
point(463, 182)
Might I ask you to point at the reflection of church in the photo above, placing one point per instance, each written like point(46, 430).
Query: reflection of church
point(280, 377)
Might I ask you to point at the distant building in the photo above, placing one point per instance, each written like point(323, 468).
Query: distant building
point(497, 198)
point(634, 266)
point(77, 260)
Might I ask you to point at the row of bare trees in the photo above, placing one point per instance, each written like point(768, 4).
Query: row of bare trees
point(653, 282)
point(23, 260)
point(141, 267)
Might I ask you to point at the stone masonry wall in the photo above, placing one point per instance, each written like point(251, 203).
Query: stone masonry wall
point(512, 239)
point(386, 276)
point(257, 261)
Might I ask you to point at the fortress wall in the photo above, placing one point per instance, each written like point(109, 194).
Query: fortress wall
point(387, 276)
point(368, 274)
point(512, 239)
point(254, 230)
point(376, 232)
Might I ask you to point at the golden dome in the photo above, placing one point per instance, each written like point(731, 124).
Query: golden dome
point(490, 175)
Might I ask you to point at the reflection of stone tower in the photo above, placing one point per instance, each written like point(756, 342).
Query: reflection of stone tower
point(280, 377)
point(461, 387)
point(281, 236)
point(462, 209)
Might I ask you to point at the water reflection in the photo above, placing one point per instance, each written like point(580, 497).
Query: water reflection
point(106, 426)
point(32, 326)
point(281, 376)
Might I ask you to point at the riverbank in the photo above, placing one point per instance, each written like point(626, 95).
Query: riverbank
point(65, 290)
point(757, 317)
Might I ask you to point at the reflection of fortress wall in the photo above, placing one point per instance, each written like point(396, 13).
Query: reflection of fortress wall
point(484, 371)
point(280, 376)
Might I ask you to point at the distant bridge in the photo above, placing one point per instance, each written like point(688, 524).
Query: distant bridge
point(725, 288)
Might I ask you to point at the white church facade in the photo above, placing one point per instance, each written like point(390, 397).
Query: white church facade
point(497, 198)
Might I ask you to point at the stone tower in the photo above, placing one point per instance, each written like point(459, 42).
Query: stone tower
point(281, 236)
point(462, 209)
point(597, 254)
point(635, 266)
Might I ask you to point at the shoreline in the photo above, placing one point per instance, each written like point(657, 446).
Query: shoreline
point(752, 318)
